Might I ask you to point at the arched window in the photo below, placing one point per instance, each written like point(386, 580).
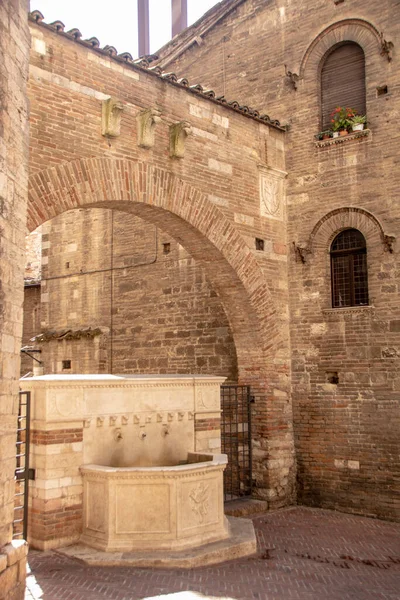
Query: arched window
point(343, 81)
point(349, 269)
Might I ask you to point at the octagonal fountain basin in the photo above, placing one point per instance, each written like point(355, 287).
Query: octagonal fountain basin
point(155, 508)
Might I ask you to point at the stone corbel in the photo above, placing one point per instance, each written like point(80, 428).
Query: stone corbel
point(147, 120)
point(300, 252)
point(386, 48)
point(293, 77)
point(111, 117)
point(178, 132)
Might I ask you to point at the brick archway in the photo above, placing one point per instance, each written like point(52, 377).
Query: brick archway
point(161, 198)
point(185, 213)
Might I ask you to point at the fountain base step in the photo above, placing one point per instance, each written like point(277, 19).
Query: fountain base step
point(241, 542)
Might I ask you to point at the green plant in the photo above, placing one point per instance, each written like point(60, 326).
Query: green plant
point(323, 134)
point(358, 120)
point(342, 118)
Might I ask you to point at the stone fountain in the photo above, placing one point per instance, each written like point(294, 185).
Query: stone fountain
point(140, 463)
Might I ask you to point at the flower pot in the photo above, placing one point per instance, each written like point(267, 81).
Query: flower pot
point(358, 127)
point(335, 134)
point(343, 132)
point(326, 136)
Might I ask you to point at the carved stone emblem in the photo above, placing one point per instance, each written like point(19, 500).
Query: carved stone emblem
point(66, 406)
point(271, 194)
point(207, 400)
point(200, 500)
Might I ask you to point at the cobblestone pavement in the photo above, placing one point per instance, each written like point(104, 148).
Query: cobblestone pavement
point(304, 554)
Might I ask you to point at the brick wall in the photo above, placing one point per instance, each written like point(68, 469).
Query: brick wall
point(207, 202)
point(114, 271)
point(346, 433)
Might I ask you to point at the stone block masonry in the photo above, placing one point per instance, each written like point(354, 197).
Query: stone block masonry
point(14, 47)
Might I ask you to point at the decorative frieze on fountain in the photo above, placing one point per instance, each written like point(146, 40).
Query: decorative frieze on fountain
point(131, 465)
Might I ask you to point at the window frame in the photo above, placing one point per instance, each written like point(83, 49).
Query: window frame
point(321, 65)
point(348, 253)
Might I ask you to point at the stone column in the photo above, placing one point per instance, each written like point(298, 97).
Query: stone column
point(14, 44)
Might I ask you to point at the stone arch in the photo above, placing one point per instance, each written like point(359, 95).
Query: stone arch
point(359, 31)
point(347, 217)
point(160, 197)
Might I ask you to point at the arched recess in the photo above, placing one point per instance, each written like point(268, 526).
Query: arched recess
point(176, 207)
point(359, 31)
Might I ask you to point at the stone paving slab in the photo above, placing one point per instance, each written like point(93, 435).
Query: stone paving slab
point(303, 554)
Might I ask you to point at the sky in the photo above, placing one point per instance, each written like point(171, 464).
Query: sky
point(115, 22)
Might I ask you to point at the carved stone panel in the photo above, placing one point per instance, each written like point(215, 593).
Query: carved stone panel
point(272, 199)
point(200, 505)
point(142, 508)
point(95, 506)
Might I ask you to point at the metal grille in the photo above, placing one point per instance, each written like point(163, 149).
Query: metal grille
point(236, 440)
point(22, 471)
point(349, 269)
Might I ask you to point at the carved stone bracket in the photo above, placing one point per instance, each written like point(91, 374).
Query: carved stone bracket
point(178, 132)
point(147, 120)
point(300, 252)
point(386, 47)
point(389, 241)
point(293, 77)
point(111, 117)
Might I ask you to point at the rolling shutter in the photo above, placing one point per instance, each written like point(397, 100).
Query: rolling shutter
point(343, 81)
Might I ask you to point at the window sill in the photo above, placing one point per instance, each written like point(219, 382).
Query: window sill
point(355, 135)
point(348, 310)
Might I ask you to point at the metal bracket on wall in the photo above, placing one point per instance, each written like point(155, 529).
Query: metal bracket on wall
point(386, 47)
point(300, 252)
point(293, 77)
point(389, 241)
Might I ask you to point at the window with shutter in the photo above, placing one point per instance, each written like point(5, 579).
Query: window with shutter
point(343, 81)
point(349, 269)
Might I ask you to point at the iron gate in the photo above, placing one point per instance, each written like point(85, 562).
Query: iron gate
point(236, 440)
point(22, 471)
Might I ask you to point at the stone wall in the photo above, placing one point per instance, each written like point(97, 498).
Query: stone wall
point(14, 45)
point(31, 325)
point(346, 432)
